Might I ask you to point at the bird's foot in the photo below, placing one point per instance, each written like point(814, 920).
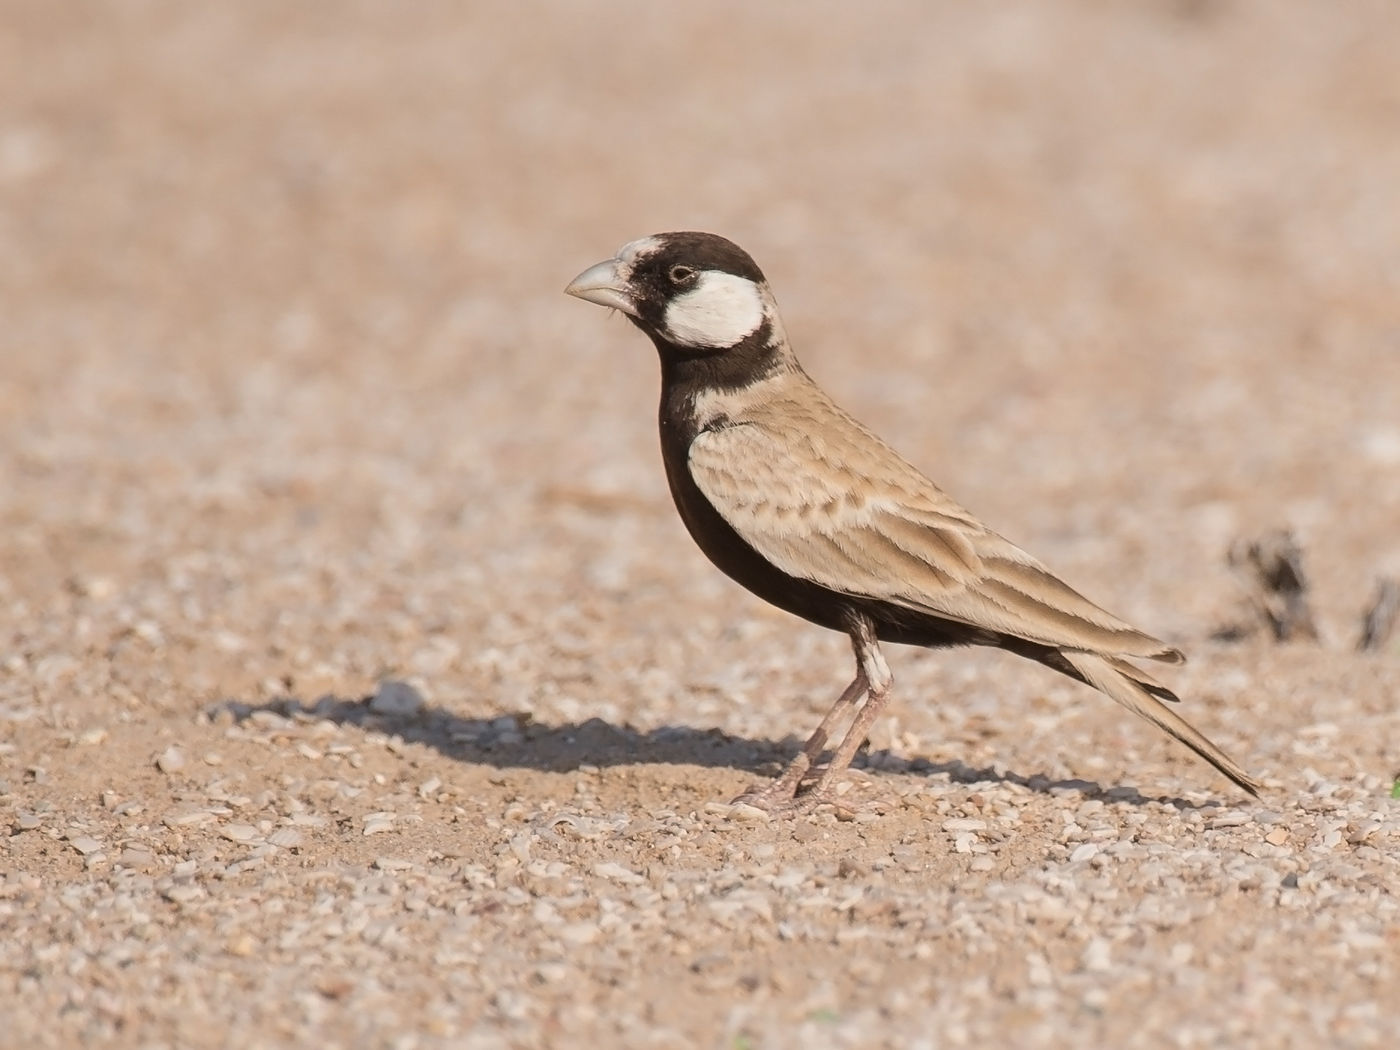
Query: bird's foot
point(774, 797)
point(777, 794)
point(790, 796)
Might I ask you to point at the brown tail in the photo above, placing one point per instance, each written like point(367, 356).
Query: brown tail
point(1119, 680)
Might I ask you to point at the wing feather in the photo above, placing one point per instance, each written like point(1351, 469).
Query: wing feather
point(839, 508)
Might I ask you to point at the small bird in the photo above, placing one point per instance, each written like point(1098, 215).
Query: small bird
point(799, 503)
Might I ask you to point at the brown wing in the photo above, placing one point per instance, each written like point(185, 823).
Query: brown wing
point(824, 500)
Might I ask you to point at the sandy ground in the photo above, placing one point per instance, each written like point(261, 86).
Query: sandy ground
point(293, 414)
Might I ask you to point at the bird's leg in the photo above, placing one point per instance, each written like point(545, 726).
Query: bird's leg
point(785, 787)
point(876, 673)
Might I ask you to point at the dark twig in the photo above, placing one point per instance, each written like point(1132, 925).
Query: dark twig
point(1272, 570)
point(1380, 618)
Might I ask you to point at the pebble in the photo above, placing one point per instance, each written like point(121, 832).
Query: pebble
point(578, 934)
point(396, 698)
point(1097, 957)
point(171, 760)
point(192, 817)
point(1364, 832)
point(378, 823)
point(1233, 818)
point(964, 824)
point(745, 813)
point(617, 873)
point(240, 833)
point(183, 893)
point(241, 945)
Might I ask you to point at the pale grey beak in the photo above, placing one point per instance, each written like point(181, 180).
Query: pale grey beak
point(603, 285)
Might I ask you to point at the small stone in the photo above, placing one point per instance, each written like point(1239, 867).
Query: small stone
point(1277, 836)
point(1232, 818)
point(617, 873)
point(85, 844)
point(1362, 832)
point(397, 698)
point(579, 933)
point(552, 972)
point(1085, 852)
point(241, 945)
point(136, 857)
point(1098, 956)
point(96, 587)
point(964, 824)
point(171, 760)
point(182, 893)
point(377, 823)
point(180, 820)
point(511, 1005)
point(239, 832)
point(747, 814)
point(286, 838)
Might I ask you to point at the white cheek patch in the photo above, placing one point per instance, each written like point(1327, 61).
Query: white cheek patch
point(720, 311)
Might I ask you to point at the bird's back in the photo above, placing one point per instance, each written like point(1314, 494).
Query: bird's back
point(820, 498)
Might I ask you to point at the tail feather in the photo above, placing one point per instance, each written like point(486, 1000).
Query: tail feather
point(1136, 674)
point(1138, 692)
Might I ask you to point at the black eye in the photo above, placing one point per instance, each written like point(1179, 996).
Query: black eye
point(681, 274)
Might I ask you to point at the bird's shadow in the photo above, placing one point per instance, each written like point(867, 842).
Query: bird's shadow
point(519, 742)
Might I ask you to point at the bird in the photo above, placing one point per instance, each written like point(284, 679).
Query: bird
point(795, 500)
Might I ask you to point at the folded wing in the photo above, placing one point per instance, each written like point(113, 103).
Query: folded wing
point(832, 504)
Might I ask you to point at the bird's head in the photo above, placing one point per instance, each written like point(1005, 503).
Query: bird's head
point(694, 294)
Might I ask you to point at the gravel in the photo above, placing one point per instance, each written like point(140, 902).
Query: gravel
point(359, 687)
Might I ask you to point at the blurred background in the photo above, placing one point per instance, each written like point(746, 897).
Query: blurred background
point(283, 349)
